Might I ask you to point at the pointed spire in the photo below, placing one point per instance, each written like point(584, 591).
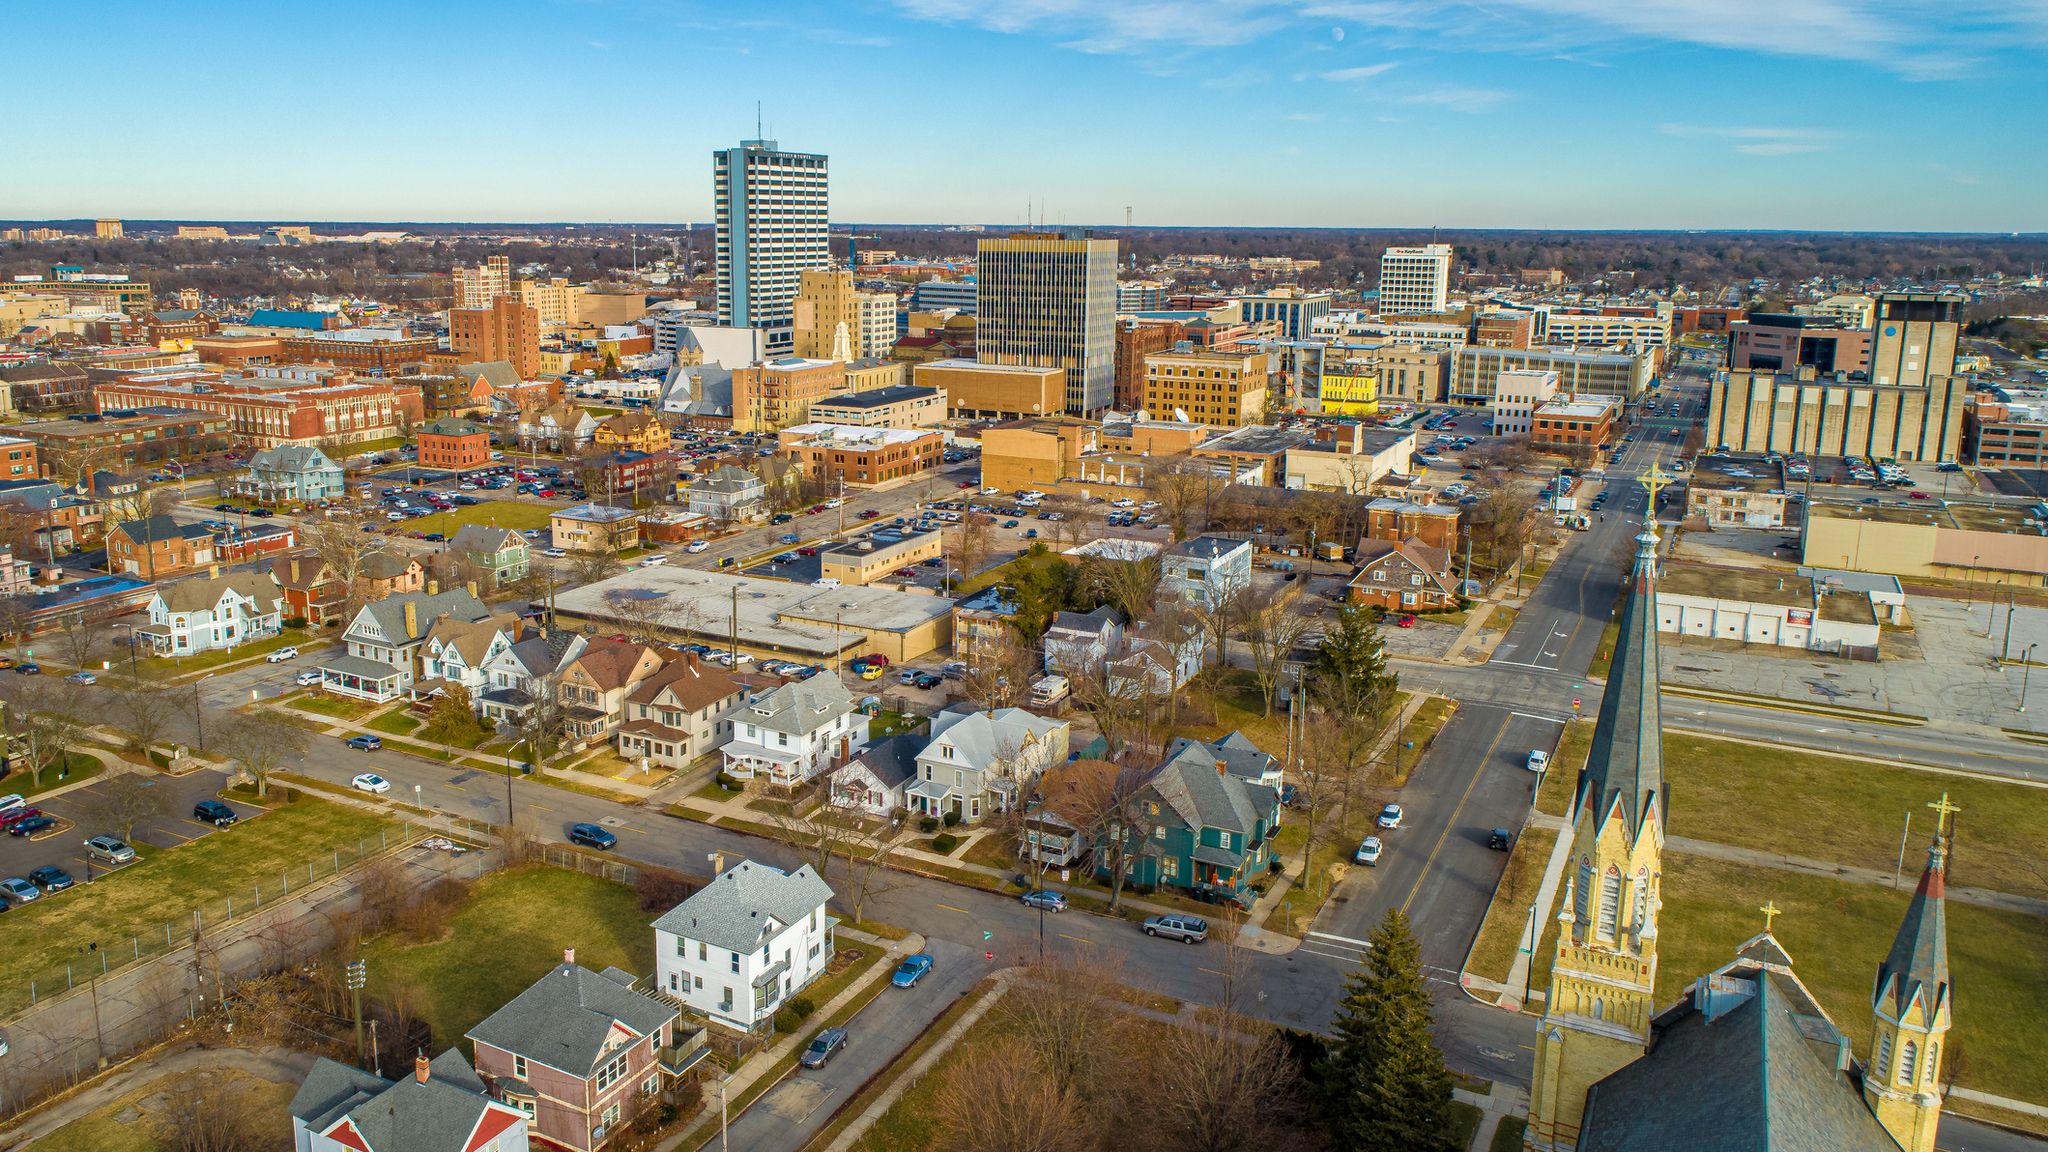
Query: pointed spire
point(1918, 962)
point(1626, 764)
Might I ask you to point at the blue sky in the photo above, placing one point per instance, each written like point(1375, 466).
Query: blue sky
point(1838, 114)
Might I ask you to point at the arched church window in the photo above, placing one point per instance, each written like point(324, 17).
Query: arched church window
point(1884, 1051)
point(1610, 901)
point(1909, 1063)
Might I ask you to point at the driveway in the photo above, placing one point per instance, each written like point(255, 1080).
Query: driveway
point(785, 1118)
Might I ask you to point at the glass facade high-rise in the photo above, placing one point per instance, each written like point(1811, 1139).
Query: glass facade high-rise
point(1048, 300)
point(771, 225)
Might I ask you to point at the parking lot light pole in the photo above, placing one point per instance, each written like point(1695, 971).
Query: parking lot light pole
point(2026, 666)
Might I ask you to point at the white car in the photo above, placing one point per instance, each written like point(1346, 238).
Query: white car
point(306, 679)
point(654, 561)
point(991, 491)
point(371, 782)
point(825, 582)
point(553, 553)
point(1149, 505)
point(1539, 760)
point(465, 487)
point(835, 502)
point(699, 546)
point(283, 654)
point(1126, 502)
point(1368, 851)
point(1390, 816)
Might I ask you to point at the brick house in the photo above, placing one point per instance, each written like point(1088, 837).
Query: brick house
point(313, 590)
point(1403, 576)
point(680, 712)
point(632, 473)
point(453, 444)
point(18, 459)
point(442, 1107)
point(157, 546)
point(576, 1053)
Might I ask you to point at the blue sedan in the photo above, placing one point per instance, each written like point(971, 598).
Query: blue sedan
point(592, 836)
point(913, 967)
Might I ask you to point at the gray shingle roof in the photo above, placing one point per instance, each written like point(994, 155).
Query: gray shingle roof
point(1237, 752)
point(1626, 763)
point(892, 759)
point(151, 529)
point(800, 707)
point(389, 613)
point(564, 1018)
point(406, 1115)
point(483, 539)
point(1755, 1077)
point(291, 458)
point(205, 592)
point(983, 738)
point(1918, 962)
point(1202, 797)
point(732, 911)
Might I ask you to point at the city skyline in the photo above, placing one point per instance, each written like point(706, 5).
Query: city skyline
point(1545, 114)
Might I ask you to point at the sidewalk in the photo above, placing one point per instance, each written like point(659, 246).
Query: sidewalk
point(1546, 895)
point(908, 1079)
point(1503, 1101)
point(760, 1064)
point(1982, 897)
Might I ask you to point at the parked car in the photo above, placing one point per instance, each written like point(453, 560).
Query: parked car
point(13, 816)
point(366, 743)
point(827, 1045)
point(1390, 816)
point(592, 836)
point(50, 878)
point(1539, 760)
point(1368, 852)
point(1500, 839)
point(1404, 620)
point(28, 668)
point(306, 679)
point(109, 850)
point(82, 678)
point(215, 813)
point(288, 652)
point(31, 826)
point(927, 680)
point(1045, 900)
point(370, 782)
point(911, 970)
point(1184, 928)
point(19, 891)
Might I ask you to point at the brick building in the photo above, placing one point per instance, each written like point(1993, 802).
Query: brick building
point(273, 406)
point(862, 457)
point(39, 386)
point(1575, 420)
point(778, 393)
point(453, 444)
point(507, 330)
point(239, 351)
point(18, 459)
point(369, 351)
point(135, 438)
point(157, 546)
point(1136, 339)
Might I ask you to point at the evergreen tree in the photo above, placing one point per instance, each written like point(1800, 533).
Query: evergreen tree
point(1383, 1086)
point(1348, 675)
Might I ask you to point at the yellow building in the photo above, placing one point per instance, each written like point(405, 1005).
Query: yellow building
point(870, 375)
point(556, 300)
point(978, 391)
point(107, 229)
point(631, 431)
point(1351, 395)
point(778, 393)
point(1227, 389)
point(876, 555)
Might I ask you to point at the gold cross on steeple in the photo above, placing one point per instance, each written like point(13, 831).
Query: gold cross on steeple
point(1770, 911)
point(1654, 481)
point(1944, 815)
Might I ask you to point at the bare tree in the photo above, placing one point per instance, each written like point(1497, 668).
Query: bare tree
point(125, 800)
point(51, 716)
point(1120, 706)
point(970, 543)
point(1182, 485)
point(993, 1100)
point(147, 707)
point(1220, 1083)
point(1110, 806)
point(1177, 630)
point(262, 743)
point(601, 561)
point(1070, 1030)
point(1220, 613)
point(1274, 625)
point(1130, 586)
point(78, 632)
point(867, 865)
point(213, 1117)
point(544, 722)
point(1000, 670)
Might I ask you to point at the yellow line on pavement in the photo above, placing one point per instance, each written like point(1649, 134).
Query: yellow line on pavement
point(950, 908)
point(1075, 939)
point(1484, 759)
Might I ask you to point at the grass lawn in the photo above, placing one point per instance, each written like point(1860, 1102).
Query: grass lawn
point(713, 792)
point(396, 723)
point(1837, 932)
point(516, 515)
point(1506, 927)
point(885, 723)
point(134, 1123)
point(1508, 1137)
point(520, 920)
point(1565, 765)
point(1335, 845)
point(1005, 572)
point(1851, 811)
point(76, 766)
point(167, 884)
point(1500, 619)
point(159, 666)
point(362, 447)
point(423, 751)
point(1232, 697)
point(1465, 1121)
point(994, 851)
point(1603, 656)
point(339, 707)
point(1416, 735)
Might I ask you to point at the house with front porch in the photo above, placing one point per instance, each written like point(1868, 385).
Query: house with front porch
point(792, 734)
point(976, 763)
point(593, 687)
point(726, 495)
point(745, 943)
point(499, 553)
point(1080, 642)
point(578, 1053)
point(523, 671)
point(1073, 800)
point(210, 612)
point(1403, 576)
point(683, 711)
point(460, 652)
point(874, 780)
point(290, 472)
point(440, 1105)
point(561, 427)
point(1158, 659)
point(1207, 832)
point(381, 646)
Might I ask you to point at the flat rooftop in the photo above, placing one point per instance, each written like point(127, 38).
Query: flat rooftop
point(1756, 586)
point(877, 397)
point(1256, 440)
point(1715, 480)
point(1972, 517)
point(772, 614)
point(880, 540)
point(1015, 369)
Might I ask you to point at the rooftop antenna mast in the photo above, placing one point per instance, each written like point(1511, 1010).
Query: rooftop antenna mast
point(757, 121)
point(1127, 215)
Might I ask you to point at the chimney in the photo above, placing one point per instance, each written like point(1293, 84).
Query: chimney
point(433, 586)
point(412, 618)
point(420, 1067)
point(1222, 769)
point(472, 591)
point(691, 657)
point(568, 955)
point(295, 569)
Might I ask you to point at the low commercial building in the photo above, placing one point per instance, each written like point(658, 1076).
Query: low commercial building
point(1343, 457)
point(1574, 420)
point(2007, 427)
point(977, 391)
point(1754, 606)
point(595, 528)
point(876, 554)
point(1019, 455)
point(1517, 394)
point(862, 457)
point(776, 617)
point(1724, 501)
point(1947, 540)
point(1802, 413)
point(902, 406)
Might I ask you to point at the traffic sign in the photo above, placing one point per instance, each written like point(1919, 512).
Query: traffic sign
point(1575, 702)
point(988, 955)
point(987, 935)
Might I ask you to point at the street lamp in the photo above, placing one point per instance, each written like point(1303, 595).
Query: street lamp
point(2026, 666)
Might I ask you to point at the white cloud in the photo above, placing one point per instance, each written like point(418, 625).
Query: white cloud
point(1366, 72)
point(1115, 25)
point(1459, 99)
point(1757, 141)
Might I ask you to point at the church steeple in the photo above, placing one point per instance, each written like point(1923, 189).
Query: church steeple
point(1909, 1006)
point(1604, 973)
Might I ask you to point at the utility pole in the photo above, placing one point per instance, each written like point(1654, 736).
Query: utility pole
point(358, 975)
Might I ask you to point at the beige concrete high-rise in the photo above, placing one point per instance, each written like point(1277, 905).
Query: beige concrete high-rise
point(107, 229)
point(556, 300)
point(826, 303)
point(1415, 281)
point(478, 286)
point(1916, 338)
point(1048, 300)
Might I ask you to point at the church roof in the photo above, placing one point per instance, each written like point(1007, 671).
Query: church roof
point(1918, 961)
point(1626, 763)
point(1768, 1073)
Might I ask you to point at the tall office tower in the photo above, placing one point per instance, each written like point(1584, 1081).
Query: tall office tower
point(1415, 281)
point(771, 226)
point(1916, 338)
point(476, 287)
point(877, 324)
point(826, 304)
point(1048, 300)
point(507, 330)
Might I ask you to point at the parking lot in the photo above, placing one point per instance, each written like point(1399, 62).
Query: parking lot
point(171, 826)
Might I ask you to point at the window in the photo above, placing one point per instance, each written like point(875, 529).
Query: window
point(1933, 1061)
point(611, 1073)
point(652, 1085)
point(735, 962)
point(519, 1067)
point(1642, 892)
point(1909, 1063)
point(1159, 833)
point(697, 983)
point(611, 1116)
point(701, 951)
point(1169, 868)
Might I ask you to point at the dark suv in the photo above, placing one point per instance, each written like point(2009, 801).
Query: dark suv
point(215, 813)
